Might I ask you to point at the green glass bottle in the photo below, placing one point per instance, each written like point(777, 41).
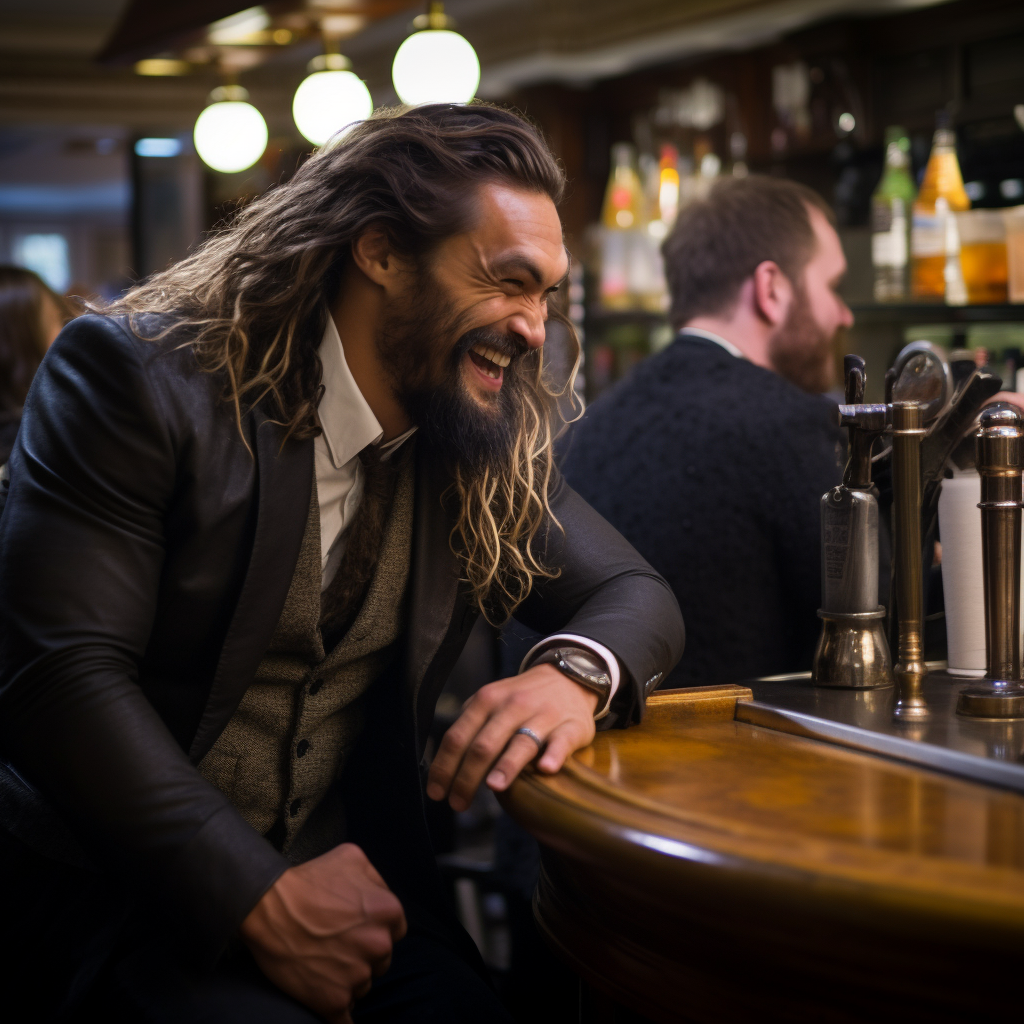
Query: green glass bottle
point(890, 216)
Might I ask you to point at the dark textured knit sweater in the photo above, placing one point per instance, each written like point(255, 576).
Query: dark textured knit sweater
point(713, 468)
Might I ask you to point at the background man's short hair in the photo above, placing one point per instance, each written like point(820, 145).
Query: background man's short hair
point(717, 242)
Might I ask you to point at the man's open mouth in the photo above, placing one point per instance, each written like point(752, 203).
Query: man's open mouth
point(489, 360)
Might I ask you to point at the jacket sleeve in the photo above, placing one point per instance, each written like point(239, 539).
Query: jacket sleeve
point(82, 548)
point(607, 592)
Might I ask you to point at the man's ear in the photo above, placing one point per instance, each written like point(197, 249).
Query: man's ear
point(773, 293)
point(372, 254)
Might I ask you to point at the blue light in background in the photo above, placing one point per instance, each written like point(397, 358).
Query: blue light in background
point(158, 147)
point(58, 200)
point(1011, 188)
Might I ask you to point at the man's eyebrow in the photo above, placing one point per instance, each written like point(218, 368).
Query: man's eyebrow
point(520, 261)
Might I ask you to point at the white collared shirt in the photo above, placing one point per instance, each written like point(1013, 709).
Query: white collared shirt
point(348, 426)
point(717, 339)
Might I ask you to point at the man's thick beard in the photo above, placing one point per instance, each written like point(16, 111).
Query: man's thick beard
point(432, 389)
point(801, 352)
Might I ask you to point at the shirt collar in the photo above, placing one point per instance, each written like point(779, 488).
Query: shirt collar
point(346, 418)
point(717, 339)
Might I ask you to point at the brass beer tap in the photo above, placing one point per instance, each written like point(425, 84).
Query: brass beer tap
point(1000, 462)
point(907, 434)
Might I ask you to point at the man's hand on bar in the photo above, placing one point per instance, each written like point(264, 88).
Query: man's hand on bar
point(485, 741)
point(324, 929)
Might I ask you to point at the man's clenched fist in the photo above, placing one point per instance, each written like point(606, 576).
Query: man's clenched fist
point(324, 929)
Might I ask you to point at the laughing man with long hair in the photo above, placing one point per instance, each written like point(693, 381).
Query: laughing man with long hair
point(255, 509)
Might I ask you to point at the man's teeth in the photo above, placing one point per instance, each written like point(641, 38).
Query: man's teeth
point(499, 358)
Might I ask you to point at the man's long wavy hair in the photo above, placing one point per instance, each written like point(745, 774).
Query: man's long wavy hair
point(255, 298)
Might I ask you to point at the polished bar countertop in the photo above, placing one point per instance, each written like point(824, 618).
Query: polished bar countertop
point(727, 861)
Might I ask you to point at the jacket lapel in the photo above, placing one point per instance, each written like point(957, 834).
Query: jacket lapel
point(285, 479)
point(435, 576)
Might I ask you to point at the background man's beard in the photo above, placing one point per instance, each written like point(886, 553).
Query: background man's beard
point(801, 351)
point(432, 388)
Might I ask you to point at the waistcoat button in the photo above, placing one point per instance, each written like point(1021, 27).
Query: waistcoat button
point(293, 808)
point(301, 748)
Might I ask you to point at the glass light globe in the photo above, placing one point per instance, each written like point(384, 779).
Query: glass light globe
point(328, 101)
point(436, 66)
point(230, 135)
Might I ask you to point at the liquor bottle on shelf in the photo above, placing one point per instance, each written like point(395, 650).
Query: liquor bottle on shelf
point(668, 188)
point(662, 186)
point(646, 267)
point(928, 236)
point(953, 273)
point(622, 219)
point(707, 164)
point(890, 207)
point(687, 182)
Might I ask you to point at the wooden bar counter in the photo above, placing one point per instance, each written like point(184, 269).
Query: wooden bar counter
point(699, 868)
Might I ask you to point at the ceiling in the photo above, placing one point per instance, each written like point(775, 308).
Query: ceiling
point(48, 74)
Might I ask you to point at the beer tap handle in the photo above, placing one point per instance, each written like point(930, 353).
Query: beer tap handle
point(854, 376)
point(907, 433)
point(1001, 465)
point(890, 383)
point(938, 447)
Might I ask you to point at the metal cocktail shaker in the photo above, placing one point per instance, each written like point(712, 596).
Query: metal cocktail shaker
point(853, 651)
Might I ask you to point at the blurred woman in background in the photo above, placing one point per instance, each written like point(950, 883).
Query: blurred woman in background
point(31, 316)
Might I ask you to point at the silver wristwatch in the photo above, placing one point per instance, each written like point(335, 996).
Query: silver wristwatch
point(585, 668)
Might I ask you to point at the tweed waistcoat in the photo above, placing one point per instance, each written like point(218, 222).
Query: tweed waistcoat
point(287, 742)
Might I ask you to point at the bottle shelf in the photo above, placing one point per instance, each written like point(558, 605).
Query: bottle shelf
point(866, 314)
point(614, 317)
point(936, 313)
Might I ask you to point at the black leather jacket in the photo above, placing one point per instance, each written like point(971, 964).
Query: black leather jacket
point(145, 555)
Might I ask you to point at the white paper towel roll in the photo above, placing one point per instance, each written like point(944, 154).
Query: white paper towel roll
point(962, 582)
point(963, 574)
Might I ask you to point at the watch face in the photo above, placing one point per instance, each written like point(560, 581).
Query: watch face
point(587, 670)
point(581, 664)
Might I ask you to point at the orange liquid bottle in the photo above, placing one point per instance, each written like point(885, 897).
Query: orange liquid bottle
point(942, 179)
point(622, 220)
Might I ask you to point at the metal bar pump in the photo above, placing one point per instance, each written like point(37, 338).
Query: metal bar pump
point(907, 435)
point(853, 651)
point(1000, 463)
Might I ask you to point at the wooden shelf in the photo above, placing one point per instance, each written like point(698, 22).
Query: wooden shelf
point(865, 313)
point(936, 313)
point(614, 318)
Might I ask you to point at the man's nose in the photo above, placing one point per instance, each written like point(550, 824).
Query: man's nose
point(529, 325)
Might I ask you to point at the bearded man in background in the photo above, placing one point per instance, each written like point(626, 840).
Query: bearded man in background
point(713, 455)
point(254, 512)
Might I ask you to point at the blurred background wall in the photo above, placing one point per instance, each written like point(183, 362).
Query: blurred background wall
point(100, 182)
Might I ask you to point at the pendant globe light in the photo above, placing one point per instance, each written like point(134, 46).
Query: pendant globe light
point(230, 134)
point(435, 64)
point(330, 100)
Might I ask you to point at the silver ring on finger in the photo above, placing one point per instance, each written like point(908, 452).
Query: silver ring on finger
point(533, 736)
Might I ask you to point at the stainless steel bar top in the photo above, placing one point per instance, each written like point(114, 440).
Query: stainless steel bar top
point(985, 750)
